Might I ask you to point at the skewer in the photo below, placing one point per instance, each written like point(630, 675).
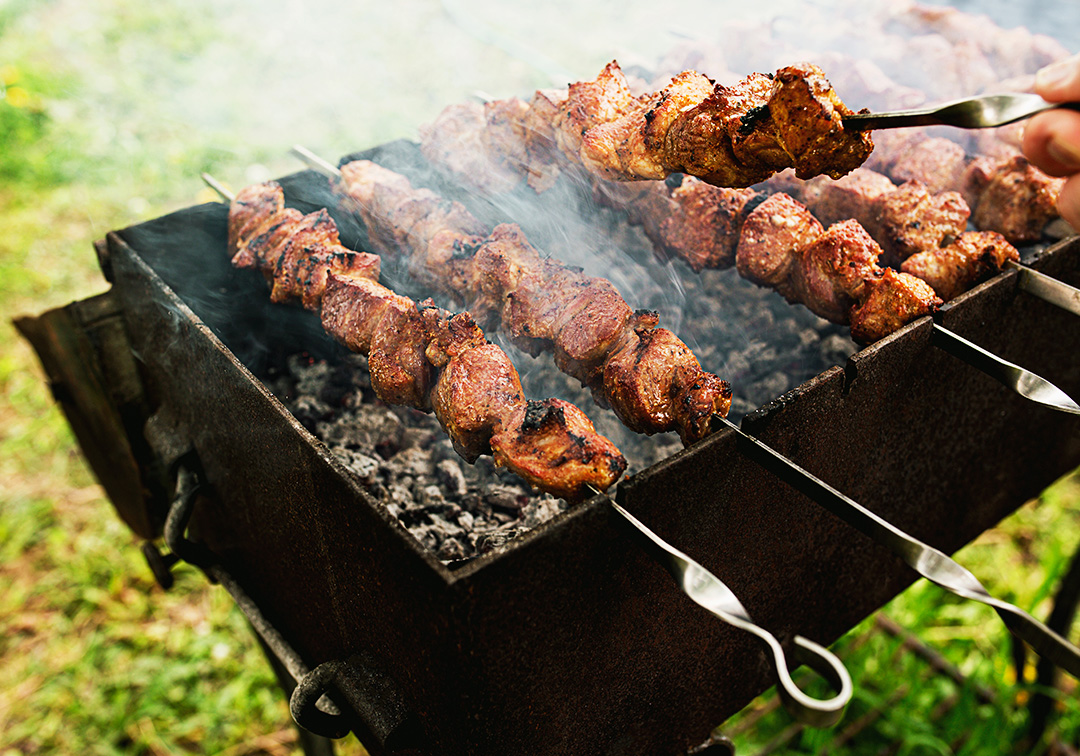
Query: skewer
point(216, 185)
point(712, 594)
point(929, 562)
point(1047, 288)
point(1024, 382)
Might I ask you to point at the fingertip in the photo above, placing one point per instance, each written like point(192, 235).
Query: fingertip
point(1069, 202)
point(1059, 81)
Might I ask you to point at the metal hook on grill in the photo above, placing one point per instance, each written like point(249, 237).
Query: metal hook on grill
point(709, 592)
point(929, 562)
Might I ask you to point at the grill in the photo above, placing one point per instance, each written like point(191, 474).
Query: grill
point(570, 639)
point(489, 656)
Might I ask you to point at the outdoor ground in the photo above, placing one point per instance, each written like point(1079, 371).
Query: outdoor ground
point(108, 112)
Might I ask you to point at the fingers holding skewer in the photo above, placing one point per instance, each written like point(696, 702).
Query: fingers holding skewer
point(1052, 139)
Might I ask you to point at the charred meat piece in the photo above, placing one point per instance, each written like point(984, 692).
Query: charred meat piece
point(890, 301)
point(771, 241)
point(1012, 197)
point(833, 270)
point(910, 219)
point(419, 355)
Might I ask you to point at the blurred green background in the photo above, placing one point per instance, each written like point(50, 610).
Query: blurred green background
point(109, 110)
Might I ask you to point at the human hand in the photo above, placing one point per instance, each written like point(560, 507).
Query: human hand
point(1052, 139)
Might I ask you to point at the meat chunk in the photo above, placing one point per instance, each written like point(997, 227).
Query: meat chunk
point(910, 219)
point(772, 240)
point(974, 256)
point(891, 301)
point(1012, 197)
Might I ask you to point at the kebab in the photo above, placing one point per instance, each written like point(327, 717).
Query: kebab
point(645, 374)
point(920, 233)
point(835, 273)
point(685, 217)
point(419, 355)
point(728, 136)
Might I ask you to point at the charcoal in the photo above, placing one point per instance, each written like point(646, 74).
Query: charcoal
point(450, 476)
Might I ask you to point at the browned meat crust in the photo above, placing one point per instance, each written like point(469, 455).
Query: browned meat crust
point(728, 136)
point(953, 269)
point(644, 373)
point(419, 355)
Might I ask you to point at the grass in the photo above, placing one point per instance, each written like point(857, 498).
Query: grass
point(110, 110)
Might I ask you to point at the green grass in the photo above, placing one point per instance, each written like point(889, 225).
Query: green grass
point(111, 110)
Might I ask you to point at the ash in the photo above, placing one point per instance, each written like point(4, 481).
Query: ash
point(406, 462)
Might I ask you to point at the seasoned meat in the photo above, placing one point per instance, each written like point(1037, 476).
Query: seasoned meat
point(1012, 197)
point(728, 136)
point(891, 301)
point(541, 303)
point(974, 256)
point(418, 355)
point(910, 219)
point(772, 240)
point(834, 269)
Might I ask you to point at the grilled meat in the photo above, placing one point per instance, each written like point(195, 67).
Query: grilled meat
point(643, 373)
point(729, 136)
point(419, 355)
point(956, 267)
point(834, 272)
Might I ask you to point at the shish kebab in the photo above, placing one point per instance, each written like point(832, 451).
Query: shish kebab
point(645, 374)
point(926, 560)
point(551, 443)
point(493, 147)
point(685, 217)
point(774, 241)
point(419, 355)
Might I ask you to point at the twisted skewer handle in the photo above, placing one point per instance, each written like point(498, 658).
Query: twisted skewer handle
point(709, 592)
point(929, 562)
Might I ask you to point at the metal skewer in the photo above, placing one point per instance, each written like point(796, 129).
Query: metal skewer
point(1022, 381)
point(710, 593)
point(929, 562)
point(315, 162)
point(1047, 288)
point(214, 184)
point(970, 113)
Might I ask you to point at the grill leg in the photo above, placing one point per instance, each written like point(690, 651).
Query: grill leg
point(310, 743)
point(1061, 619)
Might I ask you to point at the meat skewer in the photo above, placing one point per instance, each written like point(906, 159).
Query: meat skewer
point(342, 284)
point(728, 136)
point(645, 374)
point(700, 223)
point(418, 354)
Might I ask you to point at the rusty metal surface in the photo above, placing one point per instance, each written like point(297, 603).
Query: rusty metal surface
point(84, 351)
point(574, 641)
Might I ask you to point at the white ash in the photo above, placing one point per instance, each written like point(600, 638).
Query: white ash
point(406, 462)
